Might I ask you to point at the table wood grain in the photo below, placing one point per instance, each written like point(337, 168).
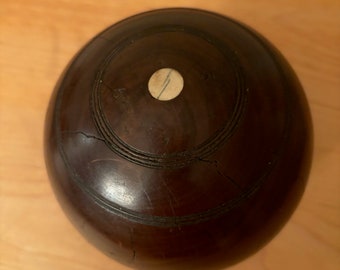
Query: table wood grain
point(39, 37)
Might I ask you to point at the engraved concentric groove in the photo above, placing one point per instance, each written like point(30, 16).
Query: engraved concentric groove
point(176, 159)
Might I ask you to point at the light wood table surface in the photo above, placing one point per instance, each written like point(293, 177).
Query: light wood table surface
point(39, 37)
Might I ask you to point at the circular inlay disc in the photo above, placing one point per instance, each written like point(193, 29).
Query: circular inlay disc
point(166, 84)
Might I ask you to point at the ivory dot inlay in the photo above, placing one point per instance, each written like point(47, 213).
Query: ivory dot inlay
point(166, 84)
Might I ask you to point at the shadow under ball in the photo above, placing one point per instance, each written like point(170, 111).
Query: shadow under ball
point(178, 139)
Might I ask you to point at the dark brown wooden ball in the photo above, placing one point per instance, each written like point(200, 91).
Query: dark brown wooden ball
point(178, 139)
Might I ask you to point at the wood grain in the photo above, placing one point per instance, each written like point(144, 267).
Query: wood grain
point(38, 38)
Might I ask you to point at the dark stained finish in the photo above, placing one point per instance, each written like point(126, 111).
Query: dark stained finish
point(197, 182)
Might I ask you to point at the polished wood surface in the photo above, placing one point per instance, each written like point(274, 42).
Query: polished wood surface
point(38, 38)
point(202, 180)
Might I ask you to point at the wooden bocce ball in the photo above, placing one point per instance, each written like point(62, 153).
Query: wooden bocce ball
point(178, 139)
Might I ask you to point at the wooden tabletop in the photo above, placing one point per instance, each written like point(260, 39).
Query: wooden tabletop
point(38, 38)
